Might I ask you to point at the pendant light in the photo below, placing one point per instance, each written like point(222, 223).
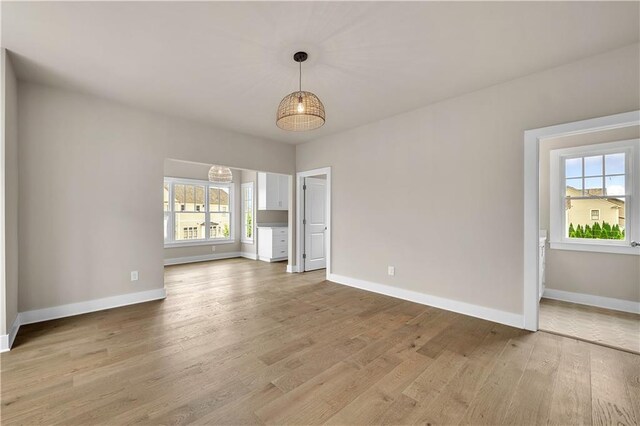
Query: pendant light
point(300, 110)
point(220, 174)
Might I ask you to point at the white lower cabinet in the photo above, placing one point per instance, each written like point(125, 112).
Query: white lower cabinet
point(273, 243)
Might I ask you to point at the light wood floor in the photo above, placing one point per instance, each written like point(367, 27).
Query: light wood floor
point(604, 326)
point(242, 342)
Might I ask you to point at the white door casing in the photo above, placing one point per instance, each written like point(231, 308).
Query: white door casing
point(315, 223)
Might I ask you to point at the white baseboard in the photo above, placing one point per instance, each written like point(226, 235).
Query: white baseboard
point(247, 255)
point(292, 268)
point(201, 258)
point(591, 300)
point(62, 311)
point(268, 259)
point(490, 314)
point(6, 340)
point(94, 305)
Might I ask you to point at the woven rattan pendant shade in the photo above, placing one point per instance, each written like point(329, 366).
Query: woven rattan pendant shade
point(220, 174)
point(300, 111)
point(289, 117)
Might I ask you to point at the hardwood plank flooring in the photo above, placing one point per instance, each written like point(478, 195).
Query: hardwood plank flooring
point(242, 342)
point(604, 326)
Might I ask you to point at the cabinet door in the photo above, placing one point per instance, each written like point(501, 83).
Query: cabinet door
point(273, 191)
point(283, 192)
point(262, 191)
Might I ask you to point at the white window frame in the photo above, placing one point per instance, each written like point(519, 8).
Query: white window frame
point(559, 240)
point(171, 242)
point(243, 238)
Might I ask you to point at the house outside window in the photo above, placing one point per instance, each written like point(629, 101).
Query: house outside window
point(595, 197)
point(197, 212)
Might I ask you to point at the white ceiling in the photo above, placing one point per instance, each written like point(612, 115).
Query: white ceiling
point(229, 64)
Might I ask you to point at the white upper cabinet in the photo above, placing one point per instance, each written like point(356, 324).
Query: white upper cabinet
point(273, 192)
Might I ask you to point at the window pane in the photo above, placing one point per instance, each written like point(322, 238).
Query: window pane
point(593, 166)
point(615, 185)
point(200, 198)
point(219, 226)
point(573, 167)
point(248, 229)
point(593, 186)
point(214, 199)
point(224, 199)
point(189, 226)
point(596, 218)
point(166, 226)
point(166, 205)
point(190, 198)
point(614, 164)
point(178, 197)
point(574, 187)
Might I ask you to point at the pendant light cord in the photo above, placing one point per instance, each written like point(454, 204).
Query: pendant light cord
point(300, 82)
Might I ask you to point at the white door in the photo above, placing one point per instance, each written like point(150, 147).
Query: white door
point(315, 223)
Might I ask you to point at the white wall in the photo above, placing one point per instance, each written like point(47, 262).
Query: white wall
point(91, 175)
point(451, 178)
point(9, 165)
point(598, 274)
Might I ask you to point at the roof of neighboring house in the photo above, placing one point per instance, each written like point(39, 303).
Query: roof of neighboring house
point(573, 192)
point(214, 197)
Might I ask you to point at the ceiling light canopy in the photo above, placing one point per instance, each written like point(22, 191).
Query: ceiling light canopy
point(220, 174)
point(300, 111)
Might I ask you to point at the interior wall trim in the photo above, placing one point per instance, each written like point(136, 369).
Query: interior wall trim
point(490, 314)
point(62, 311)
point(248, 255)
point(6, 340)
point(592, 300)
point(202, 258)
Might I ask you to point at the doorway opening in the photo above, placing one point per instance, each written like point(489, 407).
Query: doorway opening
point(313, 220)
point(208, 219)
point(582, 223)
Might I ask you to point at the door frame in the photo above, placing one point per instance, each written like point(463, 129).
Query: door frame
point(299, 217)
point(532, 140)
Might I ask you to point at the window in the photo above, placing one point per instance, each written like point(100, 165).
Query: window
point(594, 201)
point(247, 212)
point(197, 212)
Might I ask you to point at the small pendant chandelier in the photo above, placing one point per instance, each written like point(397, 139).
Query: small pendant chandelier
point(300, 111)
point(220, 174)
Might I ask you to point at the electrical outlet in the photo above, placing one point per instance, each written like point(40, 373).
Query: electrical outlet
point(213, 248)
point(391, 270)
point(134, 275)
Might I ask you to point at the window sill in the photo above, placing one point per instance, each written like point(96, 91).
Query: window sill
point(597, 248)
point(198, 243)
point(246, 241)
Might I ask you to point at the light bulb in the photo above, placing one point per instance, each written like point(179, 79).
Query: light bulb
point(300, 105)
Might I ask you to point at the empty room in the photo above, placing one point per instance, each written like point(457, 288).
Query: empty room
point(298, 213)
